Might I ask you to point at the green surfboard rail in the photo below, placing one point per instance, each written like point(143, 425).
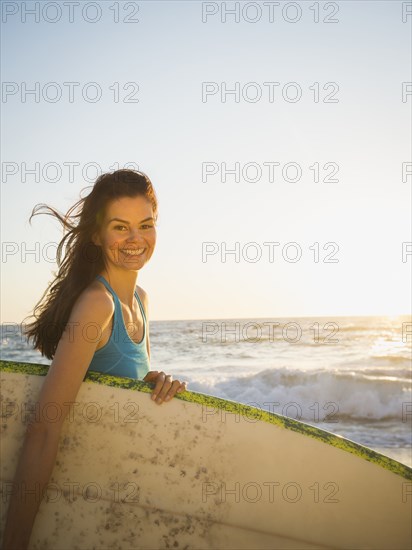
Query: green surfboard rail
point(217, 403)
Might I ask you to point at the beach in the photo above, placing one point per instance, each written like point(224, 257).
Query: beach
point(347, 375)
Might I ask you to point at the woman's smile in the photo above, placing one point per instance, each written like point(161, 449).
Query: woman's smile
point(131, 255)
point(133, 251)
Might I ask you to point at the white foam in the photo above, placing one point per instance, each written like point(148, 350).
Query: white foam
point(341, 395)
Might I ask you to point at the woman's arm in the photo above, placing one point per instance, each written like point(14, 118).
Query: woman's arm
point(61, 385)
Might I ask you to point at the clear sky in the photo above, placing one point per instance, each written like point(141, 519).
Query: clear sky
point(317, 128)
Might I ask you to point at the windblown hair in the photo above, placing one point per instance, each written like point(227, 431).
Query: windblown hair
point(82, 259)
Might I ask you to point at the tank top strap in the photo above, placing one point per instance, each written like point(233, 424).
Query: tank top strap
point(118, 307)
point(141, 306)
point(106, 284)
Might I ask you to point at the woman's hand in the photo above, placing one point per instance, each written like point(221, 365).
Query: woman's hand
point(165, 387)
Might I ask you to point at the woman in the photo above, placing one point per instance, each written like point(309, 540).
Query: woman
point(93, 316)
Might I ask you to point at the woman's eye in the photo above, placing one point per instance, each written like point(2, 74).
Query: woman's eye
point(120, 227)
point(146, 226)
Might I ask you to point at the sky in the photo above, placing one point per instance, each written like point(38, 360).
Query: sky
point(284, 123)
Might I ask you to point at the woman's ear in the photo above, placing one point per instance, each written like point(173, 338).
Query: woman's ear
point(96, 239)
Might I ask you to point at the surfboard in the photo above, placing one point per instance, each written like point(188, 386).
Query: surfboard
point(198, 472)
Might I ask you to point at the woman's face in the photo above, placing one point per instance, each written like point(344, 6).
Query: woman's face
point(128, 233)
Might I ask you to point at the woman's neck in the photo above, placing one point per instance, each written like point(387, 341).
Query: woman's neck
point(123, 282)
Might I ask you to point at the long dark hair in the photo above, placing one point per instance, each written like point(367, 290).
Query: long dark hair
point(82, 259)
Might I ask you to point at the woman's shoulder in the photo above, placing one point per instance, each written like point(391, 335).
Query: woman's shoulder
point(95, 297)
point(141, 292)
point(143, 297)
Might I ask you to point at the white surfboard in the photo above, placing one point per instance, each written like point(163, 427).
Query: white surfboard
point(199, 472)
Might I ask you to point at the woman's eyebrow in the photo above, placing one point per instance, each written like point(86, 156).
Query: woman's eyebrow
point(125, 221)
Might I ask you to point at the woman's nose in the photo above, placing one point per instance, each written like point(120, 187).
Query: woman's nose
point(134, 234)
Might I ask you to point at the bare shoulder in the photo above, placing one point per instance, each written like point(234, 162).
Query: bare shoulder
point(95, 301)
point(142, 293)
point(143, 297)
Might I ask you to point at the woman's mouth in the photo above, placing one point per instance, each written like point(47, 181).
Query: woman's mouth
point(133, 251)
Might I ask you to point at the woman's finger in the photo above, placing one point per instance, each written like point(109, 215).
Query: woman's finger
point(174, 388)
point(159, 384)
point(167, 382)
point(183, 387)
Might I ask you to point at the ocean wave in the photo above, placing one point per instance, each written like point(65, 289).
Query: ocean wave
point(334, 396)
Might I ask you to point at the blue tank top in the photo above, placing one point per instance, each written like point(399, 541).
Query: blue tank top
point(120, 356)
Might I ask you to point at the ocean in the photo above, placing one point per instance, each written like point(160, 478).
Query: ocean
point(347, 375)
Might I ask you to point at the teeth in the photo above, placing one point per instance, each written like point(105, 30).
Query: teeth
point(133, 252)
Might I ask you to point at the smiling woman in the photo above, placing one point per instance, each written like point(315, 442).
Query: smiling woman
point(92, 317)
point(128, 242)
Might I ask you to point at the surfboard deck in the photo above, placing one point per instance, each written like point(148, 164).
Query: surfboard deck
point(198, 472)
